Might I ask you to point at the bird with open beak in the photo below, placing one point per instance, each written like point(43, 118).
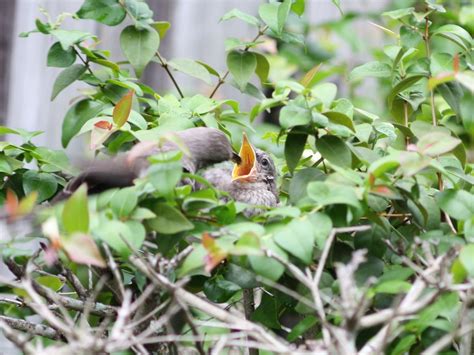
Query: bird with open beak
point(252, 180)
point(205, 146)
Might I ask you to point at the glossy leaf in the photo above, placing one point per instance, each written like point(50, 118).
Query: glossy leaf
point(139, 46)
point(75, 216)
point(335, 150)
point(169, 220)
point(108, 12)
point(122, 109)
point(241, 65)
point(191, 68)
point(294, 146)
point(458, 204)
point(58, 57)
point(292, 115)
point(371, 69)
point(295, 239)
point(66, 78)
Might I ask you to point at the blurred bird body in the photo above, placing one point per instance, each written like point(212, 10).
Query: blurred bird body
point(251, 180)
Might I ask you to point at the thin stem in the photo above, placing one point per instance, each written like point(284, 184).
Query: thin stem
point(249, 308)
point(405, 113)
point(226, 74)
point(168, 71)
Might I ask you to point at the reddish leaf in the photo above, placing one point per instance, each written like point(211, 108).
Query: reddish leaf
point(11, 204)
point(104, 125)
point(82, 249)
point(384, 191)
point(456, 63)
point(215, 253)
point(100, 132)
point(122, 109)
point(15, 208)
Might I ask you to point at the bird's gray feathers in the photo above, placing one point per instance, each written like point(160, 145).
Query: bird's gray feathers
point(262, 192)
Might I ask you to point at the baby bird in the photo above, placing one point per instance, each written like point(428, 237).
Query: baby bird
point(253, 181)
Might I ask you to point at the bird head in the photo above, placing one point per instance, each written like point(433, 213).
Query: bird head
point(255, 165)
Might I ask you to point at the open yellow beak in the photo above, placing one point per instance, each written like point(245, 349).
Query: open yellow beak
point(246, 169)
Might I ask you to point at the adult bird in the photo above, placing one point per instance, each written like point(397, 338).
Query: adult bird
point(252, 180)
point(205, 146)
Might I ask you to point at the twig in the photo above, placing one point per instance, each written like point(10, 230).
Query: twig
point(115, 271)
point(226, 74)
point(238, 321)
point(439, 345)
point(98, 309)
point(165, 66)
point(20, 340)
point(75, 282)
point(31, 328)
point(249, 308)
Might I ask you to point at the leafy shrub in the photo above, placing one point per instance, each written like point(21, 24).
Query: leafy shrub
point(371, 249)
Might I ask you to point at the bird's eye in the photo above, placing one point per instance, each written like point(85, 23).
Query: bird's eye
point(264, 162)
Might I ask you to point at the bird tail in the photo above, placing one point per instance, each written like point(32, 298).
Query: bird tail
point(100, 175)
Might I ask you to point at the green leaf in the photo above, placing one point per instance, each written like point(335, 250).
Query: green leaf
point(161, 27)
point(265, 266)
point(82, 249)
point(77, 116)
point(322, 226)
point(70, 38)
point(299, 329)
point(325, 92)
point(458, 204)
point(294, 147)
point(298, 7)
point(398, 14)
point(372, 69)
point(139, 46)
point(122, 109)
point(295, 239)
point(58, 57)
point(241, 65)
point(455, 34)
point(326, 194)
point(192, 68)
point(383, 165)
point(236, 13)
point(169, 220)
point(437, 143)
point(466, 257)
point(114, 233)
point(45, 184)
point(334, 150)
point(108, 12)
point(194, 261)
point(124, 202)
point(263, 67)
point(275, 15)
point(292, 115)
point(166, 172)
point(339, 118)
point(392, 287)
point(300, 181)
point(140, 11)
point(402, 85)
point(219, 290)
point(52, 160)
point(66, 78)
point(267, 312)
point(75, 216)
point(52, 282)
